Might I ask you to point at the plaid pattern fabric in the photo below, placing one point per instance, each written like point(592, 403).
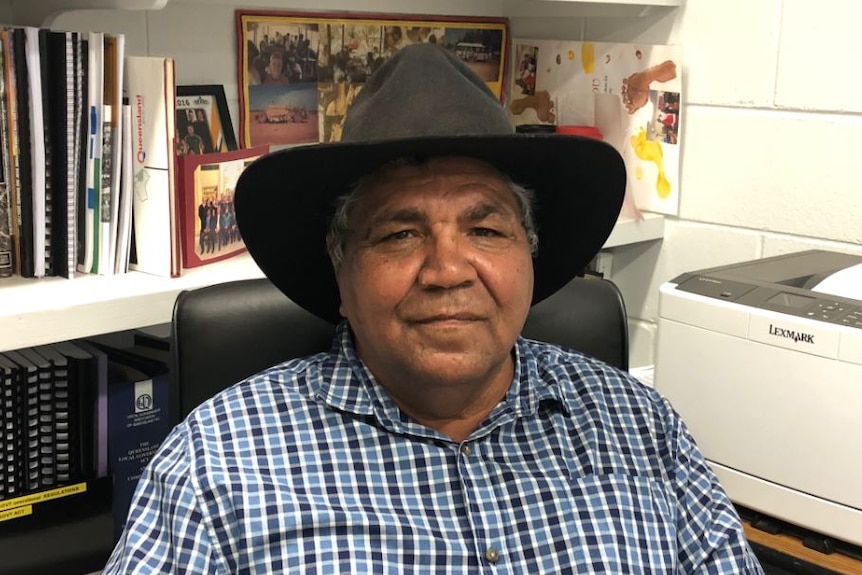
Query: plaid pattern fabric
point(309, 467)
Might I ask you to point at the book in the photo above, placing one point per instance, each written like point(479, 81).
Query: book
point(82, 128)
point(98, 390)
point(138, 419)
point(151, 89)
point(64, 110)
point(38, 165)
point(90, 197)
point(10, 147)
point(124, 204)
point(205, 188)
point(114, 66)
point(46, 81)
point(20, 125)
point(102, 261)
point(6, 239)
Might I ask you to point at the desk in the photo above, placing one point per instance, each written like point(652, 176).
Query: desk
point(792, 546)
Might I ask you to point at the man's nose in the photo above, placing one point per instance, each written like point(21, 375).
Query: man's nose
point(447, 263)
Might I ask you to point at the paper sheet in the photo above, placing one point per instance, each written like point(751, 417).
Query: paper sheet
point(843, 283)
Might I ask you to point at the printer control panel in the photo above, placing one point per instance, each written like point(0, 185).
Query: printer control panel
point(792, 301)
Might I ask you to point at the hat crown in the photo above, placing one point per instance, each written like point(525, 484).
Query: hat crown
point(424, 90)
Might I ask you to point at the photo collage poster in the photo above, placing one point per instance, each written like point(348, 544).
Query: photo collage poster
point(299, 74)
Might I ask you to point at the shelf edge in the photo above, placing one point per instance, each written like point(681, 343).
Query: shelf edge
point(631, 231)
point(43, 13)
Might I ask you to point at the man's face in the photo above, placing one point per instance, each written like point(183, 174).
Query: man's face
point(437, 277)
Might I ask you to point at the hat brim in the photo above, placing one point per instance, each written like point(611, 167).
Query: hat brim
point(285, 199)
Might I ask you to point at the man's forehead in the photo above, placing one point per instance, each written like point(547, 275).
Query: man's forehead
point(470, 181)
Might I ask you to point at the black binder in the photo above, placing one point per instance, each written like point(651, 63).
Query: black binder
point(47, 420)
point(83, 380)
point(28, 389)
point(11, 438)
point(65, 432)
point(47, 95)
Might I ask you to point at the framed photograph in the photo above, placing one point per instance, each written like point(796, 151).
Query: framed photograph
point(203, 121)
point(298, 72)
point(205, 188)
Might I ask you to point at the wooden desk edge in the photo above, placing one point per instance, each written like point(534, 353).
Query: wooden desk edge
point(794, 547)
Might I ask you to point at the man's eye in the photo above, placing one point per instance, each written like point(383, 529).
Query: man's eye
point(399, 235)
point(486, 232)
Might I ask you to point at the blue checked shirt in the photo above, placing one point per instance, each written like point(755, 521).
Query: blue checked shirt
point(309, 467)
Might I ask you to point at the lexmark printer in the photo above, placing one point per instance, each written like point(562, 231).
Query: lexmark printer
point(763, 360)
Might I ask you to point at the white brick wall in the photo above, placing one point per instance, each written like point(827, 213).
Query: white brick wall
point(818, 47)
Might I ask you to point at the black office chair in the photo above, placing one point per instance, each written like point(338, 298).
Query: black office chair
point(221, 334)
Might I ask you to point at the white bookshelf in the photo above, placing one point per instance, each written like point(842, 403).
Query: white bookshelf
point(39, 311)
point(631, 230)
point(584, 8)
point(43, 12)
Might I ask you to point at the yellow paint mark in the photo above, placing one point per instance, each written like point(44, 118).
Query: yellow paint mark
point(650, 151)
point(571, 54)
point(639, 172)
point(588, 57)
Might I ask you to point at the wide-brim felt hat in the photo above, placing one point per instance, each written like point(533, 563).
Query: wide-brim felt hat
point(424, 102)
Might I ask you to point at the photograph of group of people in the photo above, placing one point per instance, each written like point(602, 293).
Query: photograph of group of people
point(302, 74)
point(215, 226)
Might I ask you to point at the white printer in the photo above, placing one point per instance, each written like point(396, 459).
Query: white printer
point(763, 360)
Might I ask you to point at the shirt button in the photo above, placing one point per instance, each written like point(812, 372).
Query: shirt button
point(492, 555)
point(466, 449)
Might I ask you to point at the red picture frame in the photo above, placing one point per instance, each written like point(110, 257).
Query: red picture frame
point(205, 188)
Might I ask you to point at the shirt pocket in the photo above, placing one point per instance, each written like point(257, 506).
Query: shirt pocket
point(621, 524)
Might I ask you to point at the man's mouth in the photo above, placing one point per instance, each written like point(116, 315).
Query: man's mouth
point(449, 318)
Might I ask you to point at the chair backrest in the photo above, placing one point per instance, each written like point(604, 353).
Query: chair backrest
point(226, 332)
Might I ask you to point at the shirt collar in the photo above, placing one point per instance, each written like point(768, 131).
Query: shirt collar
point(346, 384)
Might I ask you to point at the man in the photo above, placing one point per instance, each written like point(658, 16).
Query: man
point(194, 143)
point(431, 438)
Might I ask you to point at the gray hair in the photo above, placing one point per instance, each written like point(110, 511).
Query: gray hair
point(339, 225)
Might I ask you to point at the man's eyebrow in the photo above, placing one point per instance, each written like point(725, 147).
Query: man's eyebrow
point(481, 211)
point(408, 215)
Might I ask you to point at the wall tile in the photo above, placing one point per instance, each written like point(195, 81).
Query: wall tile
point(782, 172)
point(818, 55)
